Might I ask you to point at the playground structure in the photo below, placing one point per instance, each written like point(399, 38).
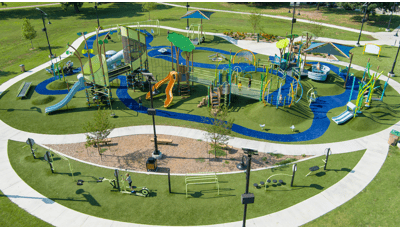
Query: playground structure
point(246, 56)
point(206, 178)
point(200, 14)
point(102, 71)
point(365, 92)
point(171, 78)
point(319, 72)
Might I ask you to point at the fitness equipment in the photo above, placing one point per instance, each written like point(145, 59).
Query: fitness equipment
point(48, 158)
point(115, 183)
point(316, 168)
point(31, 142)
point(267, 181)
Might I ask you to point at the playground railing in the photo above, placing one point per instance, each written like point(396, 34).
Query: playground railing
point(246, 92)
point(209, 178)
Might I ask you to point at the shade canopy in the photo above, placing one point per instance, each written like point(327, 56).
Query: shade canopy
point(198, 14)
point(329, 48)
point(181, 42)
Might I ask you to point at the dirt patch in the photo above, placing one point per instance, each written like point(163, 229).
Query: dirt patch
point(184, 155)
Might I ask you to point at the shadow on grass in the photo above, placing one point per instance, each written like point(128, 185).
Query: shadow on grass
point(46, 200)
point(7, 73)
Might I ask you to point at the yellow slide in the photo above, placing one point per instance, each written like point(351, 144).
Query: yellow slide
point(168, 90)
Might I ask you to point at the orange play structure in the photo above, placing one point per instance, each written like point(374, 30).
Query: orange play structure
point(172, 76)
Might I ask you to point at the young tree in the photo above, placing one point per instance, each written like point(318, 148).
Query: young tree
point(255, 21)
point(28, 32)
point(219, 129)
point(76, 5)
point(99, 129)
point(149, 6)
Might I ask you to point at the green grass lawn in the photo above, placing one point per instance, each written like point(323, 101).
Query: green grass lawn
point(376, 206)
point(384, 61)
point(202, 207)
point(341, 17)
point(13, 216)
point(65, 25)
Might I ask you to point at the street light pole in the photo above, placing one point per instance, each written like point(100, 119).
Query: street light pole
point(250, 199)
point(45, 30)
point(362, 23)
point(394, 63)
point(293, 20)
point(151, 111)
point(98, 23)
point(187, 19)
point(388, 28)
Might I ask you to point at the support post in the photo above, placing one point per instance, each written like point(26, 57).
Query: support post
point(348, 71)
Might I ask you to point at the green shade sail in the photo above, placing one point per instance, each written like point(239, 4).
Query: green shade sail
point(181, 42)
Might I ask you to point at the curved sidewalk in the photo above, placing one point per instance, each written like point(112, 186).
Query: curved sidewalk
point(30, 200)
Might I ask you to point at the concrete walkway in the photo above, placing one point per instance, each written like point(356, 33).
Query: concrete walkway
point(36, 204)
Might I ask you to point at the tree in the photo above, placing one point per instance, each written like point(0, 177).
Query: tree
point(255, 21)
point(149, 6)
point(98, 130)
point(28, 32)
point(387, 6)
point(76, 5)
point(360, 5)
point(219, 129)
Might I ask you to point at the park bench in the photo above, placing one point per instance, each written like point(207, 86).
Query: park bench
point(206, 178)
point(224, 146)
point(105, 141)
point(162, 141)
point(23, 89)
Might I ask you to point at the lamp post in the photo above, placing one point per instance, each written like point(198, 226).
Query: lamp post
point(391, 73)
point(98, 23)
point(47, 37)
point(151, 111)
point(187, 19)
point(390, 19)
point(362, 23)
point(293, 19)
point(247, 198)
point(45, 30)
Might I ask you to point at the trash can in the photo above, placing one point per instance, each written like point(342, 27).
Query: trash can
point(258, 37)
point(22, 67)
point(394, 137)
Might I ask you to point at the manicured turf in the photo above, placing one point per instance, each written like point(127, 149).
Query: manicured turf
point(376, 206)
point(203, 206)
point(341, 17)
point(65, 25)
point(13, 216)
point(384, 61)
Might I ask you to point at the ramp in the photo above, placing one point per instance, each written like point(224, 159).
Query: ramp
point(342, 118)
point(63, 102)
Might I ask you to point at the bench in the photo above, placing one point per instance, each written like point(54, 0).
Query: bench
point(105, 141)
point(207, 178)
point(162, 141)
point(23, 89)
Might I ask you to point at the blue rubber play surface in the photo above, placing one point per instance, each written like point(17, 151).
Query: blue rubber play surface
point(320, 107)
